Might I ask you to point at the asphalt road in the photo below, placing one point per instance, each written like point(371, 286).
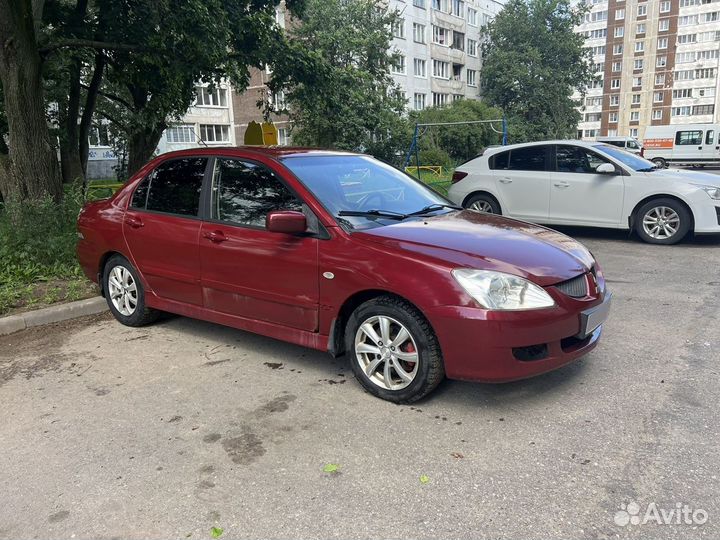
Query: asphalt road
point(169, 430)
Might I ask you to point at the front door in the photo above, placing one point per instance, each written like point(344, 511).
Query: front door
point(582, 196)
point(162, 227)
point(522, 181)
point(688, 146)
point(246, 270)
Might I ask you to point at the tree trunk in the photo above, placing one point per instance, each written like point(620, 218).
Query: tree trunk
point(141, 145)
point(70, 162)
point(31, 170)
point(89, 110)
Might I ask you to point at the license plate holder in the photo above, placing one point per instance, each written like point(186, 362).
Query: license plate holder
point(592, 318)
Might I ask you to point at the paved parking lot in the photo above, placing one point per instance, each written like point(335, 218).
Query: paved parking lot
point(169, 430)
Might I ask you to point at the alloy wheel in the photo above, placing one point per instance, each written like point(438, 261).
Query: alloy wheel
point(481, 206)
point(661, 222)
point(122, 290)
point(386, 352)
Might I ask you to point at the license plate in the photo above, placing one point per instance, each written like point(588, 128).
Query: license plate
point(591, 318)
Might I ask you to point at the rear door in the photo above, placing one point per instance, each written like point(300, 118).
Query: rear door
point(246, 270)
point(162, 227)
point(580, 195)
point(711, 146)
point(522, 180)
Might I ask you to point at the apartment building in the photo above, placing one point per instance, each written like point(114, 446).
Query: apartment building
point(657, 62)
point(438, 42)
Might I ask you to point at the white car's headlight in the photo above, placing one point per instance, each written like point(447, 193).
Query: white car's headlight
point(714, 192)
point(500, 291)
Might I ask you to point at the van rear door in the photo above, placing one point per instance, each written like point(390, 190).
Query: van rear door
point(711, 147)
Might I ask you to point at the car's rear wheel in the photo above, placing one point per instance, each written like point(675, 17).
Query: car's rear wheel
point(394, 352)
point(660, 162)
point(481, 202)
point(662, 221)
point(125, 294)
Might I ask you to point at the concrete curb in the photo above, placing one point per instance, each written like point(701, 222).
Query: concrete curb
point(52, 314)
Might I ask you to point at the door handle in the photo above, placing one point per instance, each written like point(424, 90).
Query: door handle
point(561, 184)
point(215, 236)
point(506, 180)
point(134, 222)
point(699, 147)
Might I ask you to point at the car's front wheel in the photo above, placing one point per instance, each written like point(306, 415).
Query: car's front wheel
point(481, 202)
point(662, 221)
point(393, 350)
point(660, 162)
point(125, 294)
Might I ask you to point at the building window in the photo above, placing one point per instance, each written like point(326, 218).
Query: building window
point(207, 98)
point(712, 16)
point(457, 8)
point(283, 136)
point(215, 133)
point(657, 114)
point(472, 47)
point(619, 14)
point(687, 38)
point(706, 92)
point(640, 28)
point(398, 64)
point(418, 33)
point(617, 66)
point(636, 99)
point(441, 70)
point(419, 3)
point(439, 100)
point(658, 97)
point(458, 41)
point(711, 54)
point(419, 102)
point(618, 49)
point(179, 134)
point(619, 31)
point(698, 110)
point(664, 25)
point(613, 117)
point(661, 61)
point(633, 132)
point(440, 35)
point(682, 111)
point(634, 116)
point(708, 73)
point(638, 64)
point(637, 82)
point(685, 58)
point(472, 17)
point(642, 10)
point(398, 29)
point(98, 135)
point(614, 100)
point(471, 77)
point(659, 79)
point(419, 69)
point(682, 93)
point(639, 46)
point(665, 6)
point(593, 117)
point(686, 20)
point(278, 101)
point(615, 83)
point(662, 43)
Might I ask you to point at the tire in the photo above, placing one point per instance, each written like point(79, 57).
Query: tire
point(480, 202)
point(660, 162)
point(120, 269)
point(425, 372)
point(655, 218)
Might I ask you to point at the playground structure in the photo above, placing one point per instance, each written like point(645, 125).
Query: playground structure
point(420, 130)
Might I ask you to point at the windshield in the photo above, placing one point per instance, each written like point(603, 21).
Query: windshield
point(633, 161)
point(362, 185)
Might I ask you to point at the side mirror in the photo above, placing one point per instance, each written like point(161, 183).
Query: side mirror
point(286, 221)
point(606, 168)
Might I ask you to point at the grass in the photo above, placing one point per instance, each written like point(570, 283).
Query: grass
point(38, 265)
point(440, 183)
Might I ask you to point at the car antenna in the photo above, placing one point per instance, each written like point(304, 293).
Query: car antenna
point(199, 138)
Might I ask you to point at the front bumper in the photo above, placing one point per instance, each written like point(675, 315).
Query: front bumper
point(500, 346)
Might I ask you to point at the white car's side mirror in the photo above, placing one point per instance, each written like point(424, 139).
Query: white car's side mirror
point(605, 168)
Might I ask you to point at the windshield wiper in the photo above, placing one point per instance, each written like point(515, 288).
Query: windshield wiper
point(648, 169)
point(432, 208)
point(372, 213)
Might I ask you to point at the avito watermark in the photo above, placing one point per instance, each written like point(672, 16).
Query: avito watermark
point(681, 514)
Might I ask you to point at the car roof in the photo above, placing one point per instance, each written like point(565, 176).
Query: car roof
point(273, 152)
point(495, 150)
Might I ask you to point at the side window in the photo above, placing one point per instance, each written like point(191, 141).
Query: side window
point(633, 145)
point(574, 159)
point(530, 158)
point(140, 195)
point(244, 193)
point(688, 138)
point(175, 186)
point(500, 160)
point(710, 136)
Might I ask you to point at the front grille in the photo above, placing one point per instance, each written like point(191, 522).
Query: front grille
point(576, 287)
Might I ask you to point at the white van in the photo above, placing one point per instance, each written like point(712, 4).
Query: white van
point(682, 144)
point(629, 144)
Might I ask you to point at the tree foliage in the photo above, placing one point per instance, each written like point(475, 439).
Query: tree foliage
point(533, 61)
point(344, 96)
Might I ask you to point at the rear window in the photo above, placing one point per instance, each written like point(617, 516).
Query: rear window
point(500, 160)
point(175, 186)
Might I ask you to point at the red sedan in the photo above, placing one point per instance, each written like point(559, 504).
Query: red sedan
point(342, 253)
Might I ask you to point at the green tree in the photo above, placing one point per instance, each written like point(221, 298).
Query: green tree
point(533, 61)
point(345, 98)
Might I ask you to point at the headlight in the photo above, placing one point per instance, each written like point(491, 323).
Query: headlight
point(500, 291)
point(714, 192)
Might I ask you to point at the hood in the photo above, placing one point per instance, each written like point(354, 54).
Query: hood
point(689, 176)
point(489, 242)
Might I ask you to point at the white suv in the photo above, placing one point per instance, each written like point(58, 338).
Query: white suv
point(591, 184)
